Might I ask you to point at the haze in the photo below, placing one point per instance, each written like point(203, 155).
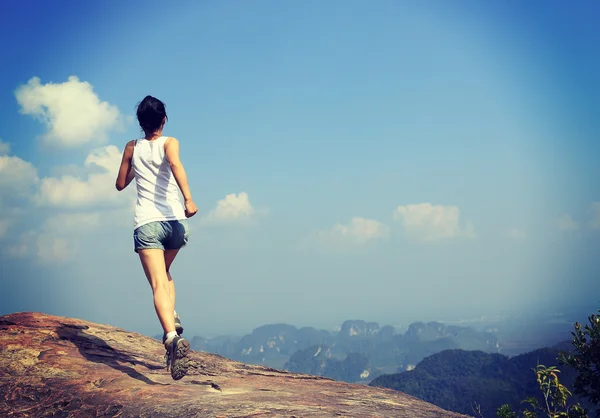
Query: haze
point(387, 161)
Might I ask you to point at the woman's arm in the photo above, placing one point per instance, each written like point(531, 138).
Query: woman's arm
point(126, 174)
point(172, 151)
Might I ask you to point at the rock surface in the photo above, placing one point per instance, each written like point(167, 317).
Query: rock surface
point(62, 367)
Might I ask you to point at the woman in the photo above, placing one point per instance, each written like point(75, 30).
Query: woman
point(160, 221)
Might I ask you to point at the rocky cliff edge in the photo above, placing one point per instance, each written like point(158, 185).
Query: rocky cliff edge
point(54, 366)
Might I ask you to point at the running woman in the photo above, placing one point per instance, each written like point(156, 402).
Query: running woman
point(160, 221)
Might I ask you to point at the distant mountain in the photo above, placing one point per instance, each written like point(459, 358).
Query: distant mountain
point(224, 345)
point(358, 352)
point(379, 350)
point(318, 360)
point(274, 344)
point(455, 379)
point(358, 328)
point(270, 345)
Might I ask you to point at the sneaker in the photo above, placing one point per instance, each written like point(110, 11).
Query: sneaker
point(178, 329)
point(176, 354)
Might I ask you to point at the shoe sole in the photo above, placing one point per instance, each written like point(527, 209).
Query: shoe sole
point(179, 364)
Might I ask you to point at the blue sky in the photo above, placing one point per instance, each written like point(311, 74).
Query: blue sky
point(389, 161)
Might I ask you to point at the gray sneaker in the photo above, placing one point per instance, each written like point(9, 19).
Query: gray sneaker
point(176, 355)
point(178, 329)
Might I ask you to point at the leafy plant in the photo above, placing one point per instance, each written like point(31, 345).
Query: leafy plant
point(555, 396)
point(505, 411)
point(585, 359)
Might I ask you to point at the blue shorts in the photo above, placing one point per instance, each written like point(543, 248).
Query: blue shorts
point(164, 235)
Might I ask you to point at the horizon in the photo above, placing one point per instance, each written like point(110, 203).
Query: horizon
point(386, 162)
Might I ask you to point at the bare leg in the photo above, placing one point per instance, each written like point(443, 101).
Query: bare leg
point(169, 258)
point(155, 267)
point(171, 288)
point(153, 262)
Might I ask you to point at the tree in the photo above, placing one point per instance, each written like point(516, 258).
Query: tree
point(585, 359)
point(555, 396)
point(505, 411)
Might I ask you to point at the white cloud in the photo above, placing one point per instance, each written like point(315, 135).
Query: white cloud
point(17, 177)
point(595, 223)
point(72, 170)
point(17, 181)
point(515, 233)
point(566, 223)
point(72, 112)
point(4, 147)
point(232, 209)
point(427, 222)
point(48, 248)
point(59, 237)
point(109, 158)
point(51, 249)
point(22, 246)
point(67, 223)
point(358, 231)
point(19, 250)
point(98, 189)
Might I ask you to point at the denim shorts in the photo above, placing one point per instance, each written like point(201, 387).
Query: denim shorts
point(164, 235)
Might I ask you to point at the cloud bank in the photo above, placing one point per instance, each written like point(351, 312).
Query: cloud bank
point(358, 231)
point(233, 209)
point(427, 223)
point(72, 112)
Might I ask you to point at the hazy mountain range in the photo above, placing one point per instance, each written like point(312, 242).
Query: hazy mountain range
point(360, 351)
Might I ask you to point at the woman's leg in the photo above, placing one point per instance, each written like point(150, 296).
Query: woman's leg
point(169, 258)
point(153, 262)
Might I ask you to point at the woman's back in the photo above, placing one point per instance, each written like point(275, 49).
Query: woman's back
point(158, 195)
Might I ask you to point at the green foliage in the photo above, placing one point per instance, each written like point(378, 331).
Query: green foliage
point(554, 401)
point(505, 411)
point(465, 381)
point(555, 396)
point(454, 379)
point(585, 359)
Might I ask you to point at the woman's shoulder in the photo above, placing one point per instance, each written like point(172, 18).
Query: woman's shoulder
point(170, 140)
point(130, 145)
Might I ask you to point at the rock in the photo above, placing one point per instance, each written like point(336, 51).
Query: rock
point(54, 366)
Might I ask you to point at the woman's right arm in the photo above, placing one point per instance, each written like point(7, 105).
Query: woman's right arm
point(172, 152)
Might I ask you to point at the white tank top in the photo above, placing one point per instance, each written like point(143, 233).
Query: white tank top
point(158, 195)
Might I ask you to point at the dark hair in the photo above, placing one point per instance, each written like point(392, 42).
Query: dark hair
point(150, 114)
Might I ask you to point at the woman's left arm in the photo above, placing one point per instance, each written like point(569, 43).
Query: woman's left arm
point(126, 173)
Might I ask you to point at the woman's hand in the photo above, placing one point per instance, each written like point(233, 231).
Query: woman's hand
point(190, 208)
